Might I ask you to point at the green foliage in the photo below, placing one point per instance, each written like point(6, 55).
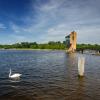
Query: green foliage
point(34, 45)
point(88, 46)
point(50, 45)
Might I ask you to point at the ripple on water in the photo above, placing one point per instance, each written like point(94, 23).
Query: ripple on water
point(48, 75)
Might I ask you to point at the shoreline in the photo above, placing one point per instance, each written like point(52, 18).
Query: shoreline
point(28, 49)
point(35, 49)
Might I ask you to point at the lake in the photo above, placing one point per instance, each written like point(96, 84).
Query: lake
point(48, 75)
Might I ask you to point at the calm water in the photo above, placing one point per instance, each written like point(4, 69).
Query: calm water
point(48, 75)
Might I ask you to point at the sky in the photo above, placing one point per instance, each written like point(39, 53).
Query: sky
point(49, 20)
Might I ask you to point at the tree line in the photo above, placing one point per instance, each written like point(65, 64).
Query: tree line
point(50, 45)
point(35, 45)
point(88, 46)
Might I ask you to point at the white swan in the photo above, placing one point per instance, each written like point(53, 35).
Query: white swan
point(16, 75)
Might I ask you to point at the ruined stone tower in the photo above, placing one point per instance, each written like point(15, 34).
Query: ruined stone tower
point(71, 40)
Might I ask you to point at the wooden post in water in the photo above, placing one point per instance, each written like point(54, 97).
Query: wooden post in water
point(81, 62)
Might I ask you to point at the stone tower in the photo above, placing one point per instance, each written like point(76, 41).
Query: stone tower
point(71, 41)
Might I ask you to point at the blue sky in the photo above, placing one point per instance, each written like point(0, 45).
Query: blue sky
point(49, 20)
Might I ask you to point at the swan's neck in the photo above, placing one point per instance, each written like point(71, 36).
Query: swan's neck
point(10, 73)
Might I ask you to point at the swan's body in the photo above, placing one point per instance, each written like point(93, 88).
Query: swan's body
point(16, 75)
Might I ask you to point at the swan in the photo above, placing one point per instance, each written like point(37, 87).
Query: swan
point(16, 75)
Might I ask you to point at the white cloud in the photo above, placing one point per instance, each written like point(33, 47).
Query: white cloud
point(56, 18)
point(18, 37)
point(14, 27)
point(2, 26)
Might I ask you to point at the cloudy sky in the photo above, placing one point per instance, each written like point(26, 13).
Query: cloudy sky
point(49, 20)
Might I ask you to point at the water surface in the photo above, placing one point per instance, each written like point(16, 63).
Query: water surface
point(48, 75)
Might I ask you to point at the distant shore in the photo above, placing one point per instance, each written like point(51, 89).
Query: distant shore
point(33, 49)
point(93, 53)
point(51, 45)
